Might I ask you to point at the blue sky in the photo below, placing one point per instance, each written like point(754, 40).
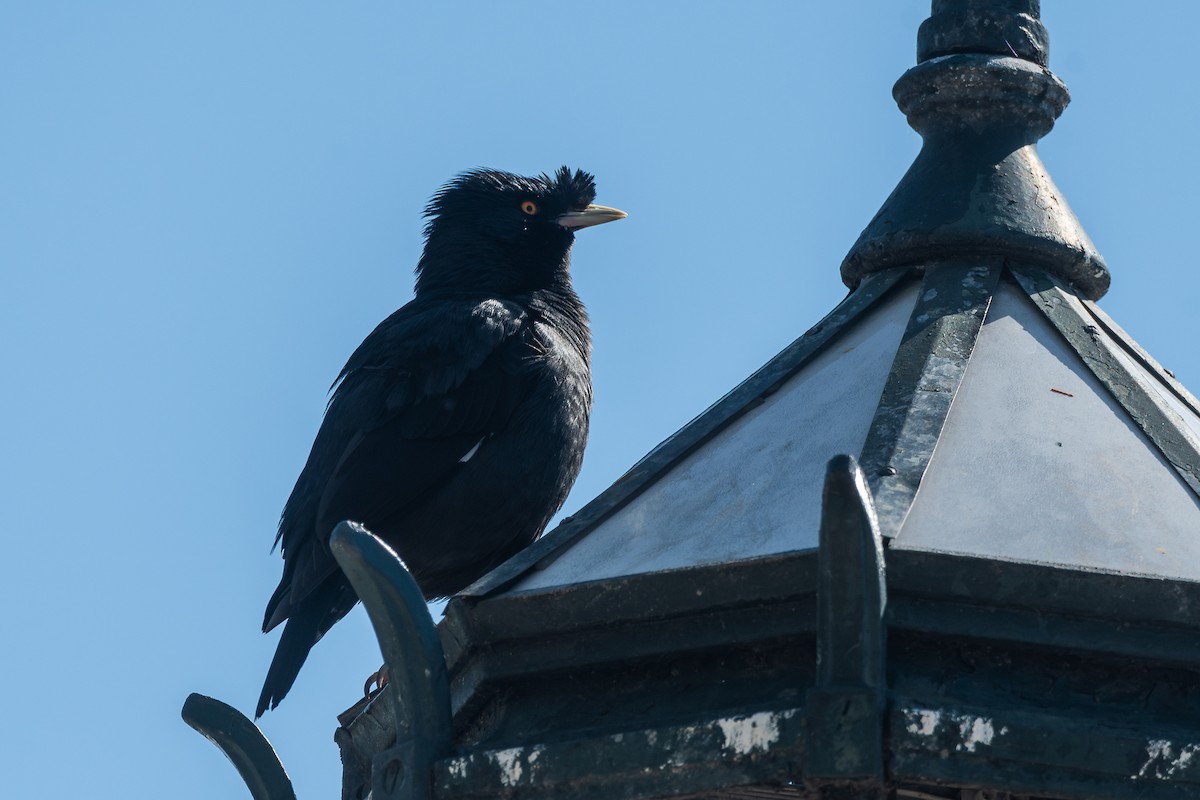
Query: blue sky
point(205, 206)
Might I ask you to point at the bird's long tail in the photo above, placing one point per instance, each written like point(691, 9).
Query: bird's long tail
point(307, 623)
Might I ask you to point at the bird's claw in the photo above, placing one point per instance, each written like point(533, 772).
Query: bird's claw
point(378, 679)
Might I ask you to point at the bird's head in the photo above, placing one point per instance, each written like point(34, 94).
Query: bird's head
point(495, 231)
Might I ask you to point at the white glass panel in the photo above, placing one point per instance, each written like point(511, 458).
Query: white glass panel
point(755, 488)
point(1037, 462)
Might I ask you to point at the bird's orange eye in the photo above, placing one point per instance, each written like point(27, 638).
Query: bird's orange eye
point(529, 207)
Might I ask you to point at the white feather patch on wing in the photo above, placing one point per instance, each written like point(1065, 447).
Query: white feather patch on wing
point(471, 452)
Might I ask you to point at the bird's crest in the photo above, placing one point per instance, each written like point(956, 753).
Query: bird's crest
point(572, 190)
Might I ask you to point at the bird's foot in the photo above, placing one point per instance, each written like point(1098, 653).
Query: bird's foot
point(377, 679)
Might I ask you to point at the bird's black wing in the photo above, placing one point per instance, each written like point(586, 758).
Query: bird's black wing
point(431, 382)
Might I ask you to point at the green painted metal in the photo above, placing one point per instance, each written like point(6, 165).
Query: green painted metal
point(637, 618)
point(999, 675)
point(1086, 749)
point(1139, 355)
point(243, 744)
point(628, 654)
point(925, 376)
point(981, 98)
point(704, 757)
point(844, 709)
point(409, 642)
point(975, 26)
point(1030, 753)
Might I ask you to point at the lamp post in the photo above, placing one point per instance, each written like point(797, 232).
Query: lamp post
point(944, 545)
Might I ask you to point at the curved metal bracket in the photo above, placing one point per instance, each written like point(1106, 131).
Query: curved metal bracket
point(845, 708)
point(243, 744)
point(412, 651)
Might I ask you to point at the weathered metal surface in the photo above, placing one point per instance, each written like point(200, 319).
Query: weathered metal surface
point(1068, 315)
point(851, 585)
point(740, 749)
point(1044, 652)
point(1037, 680)
point(572, 679)
point(1171, 401)
point(845, 708)
point(1038, 462)
point(985, 26)
point(924, 378)
point(980, 100)
point(971, 712)
point(750, 394)
point(1126, 616)
point(243, 744)
point(1027, 752)
point(785, 792)
point(1179, 413)
point(1156, 378)
point(640, 619)
point(678, 651)
point(753, 489)
point(1165, 379)
point(417, 668)
point(636, 598)
point(366, 728)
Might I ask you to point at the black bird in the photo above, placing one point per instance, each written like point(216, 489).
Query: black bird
point(457, 427)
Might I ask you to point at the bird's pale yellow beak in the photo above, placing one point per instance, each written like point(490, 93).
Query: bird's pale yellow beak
point(592, 215)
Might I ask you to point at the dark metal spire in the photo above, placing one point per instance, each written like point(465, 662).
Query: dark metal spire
point(981, 97)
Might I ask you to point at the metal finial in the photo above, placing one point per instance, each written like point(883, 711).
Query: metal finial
point(981, 98)
point(998, 27)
